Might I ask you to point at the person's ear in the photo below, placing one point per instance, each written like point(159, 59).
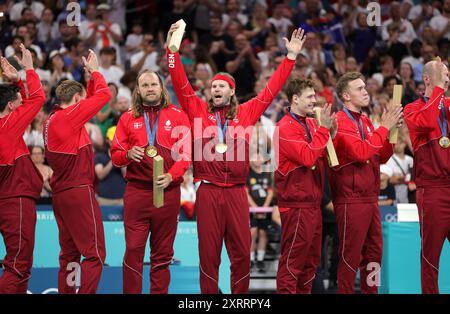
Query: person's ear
point(346, 96)
point(10, 105)
point(233, 91)
point(295, 99)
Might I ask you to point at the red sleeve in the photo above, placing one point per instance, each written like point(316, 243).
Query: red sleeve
point(300, 151)
point(21, 118)
point(98, 95)
point(183, 147)
point(256, 106)
point(424, 119)
point(349, 143)
point(386, 152)
point(187, 98)
point(120, 144)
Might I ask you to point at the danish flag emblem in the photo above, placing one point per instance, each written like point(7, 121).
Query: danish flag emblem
point(137, 125)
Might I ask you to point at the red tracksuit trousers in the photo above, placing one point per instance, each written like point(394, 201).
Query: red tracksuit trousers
point(17, 226)
point(360, 246)
point(434, 217)
point(140, 219)
point(222, 214)
point(301, 245)
point(80, 234)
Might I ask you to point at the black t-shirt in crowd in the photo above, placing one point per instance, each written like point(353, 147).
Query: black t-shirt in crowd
point(113, 185)
point(258, 185)
point(387, 194)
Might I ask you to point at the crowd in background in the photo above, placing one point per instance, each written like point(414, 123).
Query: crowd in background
point(244, 38)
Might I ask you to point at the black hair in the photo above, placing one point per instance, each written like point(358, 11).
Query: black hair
point(8, 92)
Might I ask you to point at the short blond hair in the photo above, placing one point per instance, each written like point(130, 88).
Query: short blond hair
point(67, 89)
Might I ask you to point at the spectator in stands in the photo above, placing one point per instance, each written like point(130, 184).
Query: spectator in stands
point(219, 44)
point(421, 14)
point(146, 57)
point(395, 48)
point(387, 191)
point(107, 33)
point(16, 10)
point(37, 156)
point(406, 30)
point(33, 136)
point(387, 69)
point(134, 39)
point(401, 165)
point(47, 27)
point(233, 12)
point(187, 196)
point(363, 37)
point(107, 115)
point(57, 68)
point(75, 50)
point(441, 23)
point(339, 59)
point(111, 186)
point(244, 67)
point(65, 32)
point(415, 59)
point(87, 27)
point(110, 71)
point(260, 194)
point(282, 24)
point(407, 80)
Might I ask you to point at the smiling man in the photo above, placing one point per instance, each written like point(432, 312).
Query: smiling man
point(355, 184)
point(20, 181)
point(299, 179)
point(153, 126)
point(222, 129)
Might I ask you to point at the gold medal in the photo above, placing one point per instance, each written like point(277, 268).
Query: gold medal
point(221, 148)
point(444, 142)
point(151, 151)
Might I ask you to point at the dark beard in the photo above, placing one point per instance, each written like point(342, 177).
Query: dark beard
point(151, 103)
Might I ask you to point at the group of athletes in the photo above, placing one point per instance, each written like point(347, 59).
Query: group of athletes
point(153, 126)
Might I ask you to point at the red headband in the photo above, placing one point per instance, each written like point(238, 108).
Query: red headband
point(224, 78)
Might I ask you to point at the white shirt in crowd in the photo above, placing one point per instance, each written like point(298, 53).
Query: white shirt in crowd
point(112, 75)
point(242, 18)
point(150, 62)
point(282, 26)
point(439, 23)
point(16, 10)
point(403, 167)
point(406, 37)
point(133, 40)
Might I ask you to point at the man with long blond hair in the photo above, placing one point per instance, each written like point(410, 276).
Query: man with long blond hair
point(225, 127)
point(69, 152)
point(152, 126)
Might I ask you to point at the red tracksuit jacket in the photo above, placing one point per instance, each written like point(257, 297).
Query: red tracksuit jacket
point(18, 175)
point(431, 162)
point(68, 147)
point(357, 178)
point(297, 184)
point(205, 128)
point(173, 140)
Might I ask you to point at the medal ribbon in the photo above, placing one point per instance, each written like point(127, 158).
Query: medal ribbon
point(443, 124)
point(222, 131)
point(360, 127)
point(151, 134)
point(303, 125)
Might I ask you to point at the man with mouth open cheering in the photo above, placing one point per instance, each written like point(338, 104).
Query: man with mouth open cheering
point(222, 130)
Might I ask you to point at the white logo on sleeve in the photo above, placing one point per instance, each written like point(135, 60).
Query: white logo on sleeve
point(168, 125)
point(137, 125)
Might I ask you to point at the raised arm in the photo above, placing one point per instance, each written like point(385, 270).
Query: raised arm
point(256, 106)
point(23, 115)
point(98, 95)
point(424, 119)
point(189, 102)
